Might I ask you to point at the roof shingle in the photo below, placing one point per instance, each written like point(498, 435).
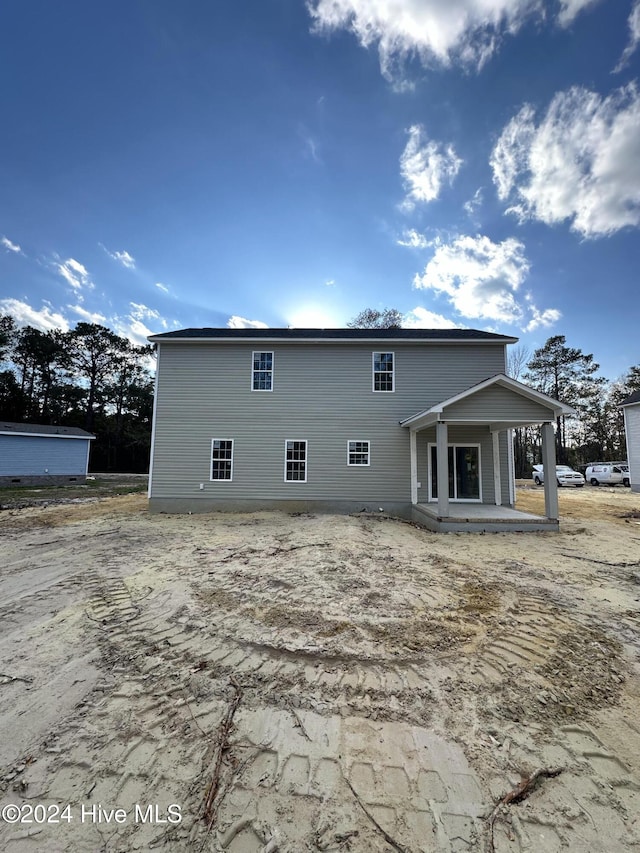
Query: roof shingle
point(333, 334)
point(8, 427)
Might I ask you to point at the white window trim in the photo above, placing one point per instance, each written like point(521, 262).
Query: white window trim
point(306, 459)
point(220, 479)
point(454, 445)
point(273, 368)
point(373, 372)
point(359, 464)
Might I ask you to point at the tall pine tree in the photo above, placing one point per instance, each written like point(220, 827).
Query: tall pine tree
point(568, 375)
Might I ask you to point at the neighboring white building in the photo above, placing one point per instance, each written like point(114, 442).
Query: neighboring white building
point(631, 409)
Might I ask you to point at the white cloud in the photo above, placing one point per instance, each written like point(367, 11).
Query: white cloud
point(437, 32)
point(123, 258)
point(311, 146)
point(570, 9)
point(11, 247)
point(580, 163)
point(473, 203)
point(421, 318)
point(142, 312)
point(425, 165)
point(236, 322)
point(132, 329)
point(634, 37)
point(413, 239)
point(133, 325)
point(482, 281)
point(45, 319)
point(87, 316)
point(541, 318)
point(162, 287)
point(480, 278)
point(330, 283)
point(75, 274)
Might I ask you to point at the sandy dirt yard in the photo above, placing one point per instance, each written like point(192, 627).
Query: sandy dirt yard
point(274, 682)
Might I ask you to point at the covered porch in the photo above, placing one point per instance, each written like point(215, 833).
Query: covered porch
point(482, 518)
point(463, 448)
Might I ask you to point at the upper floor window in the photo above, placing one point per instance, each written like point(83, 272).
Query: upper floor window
point(357, 453)
point(295, 461)
point(262, 372)
point(222, 459)
point(383, 371)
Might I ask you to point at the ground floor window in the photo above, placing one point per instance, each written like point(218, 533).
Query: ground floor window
point(464, 472)
point(222, 459)
point(295, 461)
point(357, 453)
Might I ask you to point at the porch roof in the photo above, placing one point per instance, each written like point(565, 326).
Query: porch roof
point(474, 406)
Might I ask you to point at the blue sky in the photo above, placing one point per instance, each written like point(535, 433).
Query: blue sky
point(274, 162)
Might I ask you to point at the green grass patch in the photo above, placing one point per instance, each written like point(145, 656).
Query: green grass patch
point(100, 487)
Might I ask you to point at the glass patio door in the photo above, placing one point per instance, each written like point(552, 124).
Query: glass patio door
point(464, 472)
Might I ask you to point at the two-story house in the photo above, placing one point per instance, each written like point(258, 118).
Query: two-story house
point(414, 422)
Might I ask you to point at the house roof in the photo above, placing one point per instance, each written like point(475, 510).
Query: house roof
point(437, 412)
point(347, 335)
point(631, 399)
point(11, 428)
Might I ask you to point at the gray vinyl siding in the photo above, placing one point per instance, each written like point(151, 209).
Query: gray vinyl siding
point(458, 434)
point(632, 426)
point(31, 456)
point(500, 404)
point(321, 393)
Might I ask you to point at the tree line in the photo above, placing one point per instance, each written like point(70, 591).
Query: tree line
point(88, 377)
point(568, 375)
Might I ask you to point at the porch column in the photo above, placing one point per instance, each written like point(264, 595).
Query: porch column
point(413, 449)
point(442, 454)
point(497, 480)
point(512, 469)
point(550, 481)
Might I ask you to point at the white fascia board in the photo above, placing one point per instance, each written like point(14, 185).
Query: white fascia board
point(421, 419)
point(47, 435)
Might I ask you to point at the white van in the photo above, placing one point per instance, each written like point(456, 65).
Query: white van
point(607, 474)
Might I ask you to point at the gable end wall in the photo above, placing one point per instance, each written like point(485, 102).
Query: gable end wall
point(499, 403)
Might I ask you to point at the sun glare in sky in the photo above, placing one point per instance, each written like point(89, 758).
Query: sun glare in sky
point(313, 316)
